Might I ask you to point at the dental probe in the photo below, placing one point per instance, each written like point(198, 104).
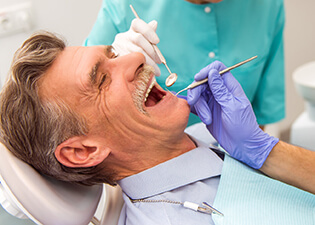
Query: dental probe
point(171, 79)
point(197, 83)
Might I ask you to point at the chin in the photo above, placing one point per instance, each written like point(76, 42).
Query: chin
point(180, 114)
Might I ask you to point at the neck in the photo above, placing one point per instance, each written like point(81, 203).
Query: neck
point(147, 156)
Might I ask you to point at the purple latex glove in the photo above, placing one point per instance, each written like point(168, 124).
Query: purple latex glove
point(223, 106)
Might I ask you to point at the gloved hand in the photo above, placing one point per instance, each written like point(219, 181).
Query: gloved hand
point(223, 106)
point(138, 39)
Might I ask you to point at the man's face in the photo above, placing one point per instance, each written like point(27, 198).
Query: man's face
point(110, 92)
point(203, 1)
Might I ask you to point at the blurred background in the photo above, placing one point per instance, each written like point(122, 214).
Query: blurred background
point(74, 19)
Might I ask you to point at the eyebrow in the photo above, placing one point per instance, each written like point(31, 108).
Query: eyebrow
point(93, 72)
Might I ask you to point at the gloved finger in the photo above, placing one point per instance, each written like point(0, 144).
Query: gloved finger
point(195, 93)
point(145, 29)
point(182, 97)
point(149, 61)
point(193, 110)
point(120, 44)
point(203, 111)
point(140, 41)
point(153, 24)
point(173, 92)
point(120, 50)
point(203, 73)
point(179, 96)
point(218, 88)
point(233, 85)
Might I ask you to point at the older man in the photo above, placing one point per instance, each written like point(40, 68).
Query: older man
point(92, 108)
point(82, 114)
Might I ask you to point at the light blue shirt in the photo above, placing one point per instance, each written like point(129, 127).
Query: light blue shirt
point(243, 195)
point(193, 176)
point(192, 36)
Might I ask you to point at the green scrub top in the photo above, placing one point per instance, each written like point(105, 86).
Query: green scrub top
point(192, 36)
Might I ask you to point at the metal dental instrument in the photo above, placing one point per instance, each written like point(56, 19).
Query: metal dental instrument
point(197, 83)
point(171, 79)
point(212, 209)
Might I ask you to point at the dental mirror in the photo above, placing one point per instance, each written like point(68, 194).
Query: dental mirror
point(171, 79)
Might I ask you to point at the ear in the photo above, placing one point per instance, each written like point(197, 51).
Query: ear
point(81, 151)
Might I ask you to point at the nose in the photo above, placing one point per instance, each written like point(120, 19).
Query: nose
point(128, 64)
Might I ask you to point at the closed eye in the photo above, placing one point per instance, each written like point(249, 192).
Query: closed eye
point(102, 81)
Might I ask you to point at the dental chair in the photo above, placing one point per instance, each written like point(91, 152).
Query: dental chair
point(24, 193)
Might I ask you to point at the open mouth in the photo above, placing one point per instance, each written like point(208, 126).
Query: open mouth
point(153, 94)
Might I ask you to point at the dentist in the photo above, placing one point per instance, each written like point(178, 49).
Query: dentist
point(223, 106)
point(195, 33)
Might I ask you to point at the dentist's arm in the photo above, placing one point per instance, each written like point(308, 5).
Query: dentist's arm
point(223, 106)
point(292, 165)
point(139, 38)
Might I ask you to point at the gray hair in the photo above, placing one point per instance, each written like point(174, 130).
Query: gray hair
point(32, 128)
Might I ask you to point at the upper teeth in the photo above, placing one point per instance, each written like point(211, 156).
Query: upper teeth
point(149, 89)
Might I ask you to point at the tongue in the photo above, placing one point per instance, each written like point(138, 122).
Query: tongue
point(150, 101)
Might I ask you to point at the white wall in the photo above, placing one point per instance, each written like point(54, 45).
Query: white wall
point(74, 19)
point(71, 18)
point(299, 49)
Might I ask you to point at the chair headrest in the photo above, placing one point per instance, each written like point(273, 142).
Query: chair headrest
point(43, 199)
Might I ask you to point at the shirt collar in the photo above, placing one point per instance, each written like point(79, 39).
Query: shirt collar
point(197, 164)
